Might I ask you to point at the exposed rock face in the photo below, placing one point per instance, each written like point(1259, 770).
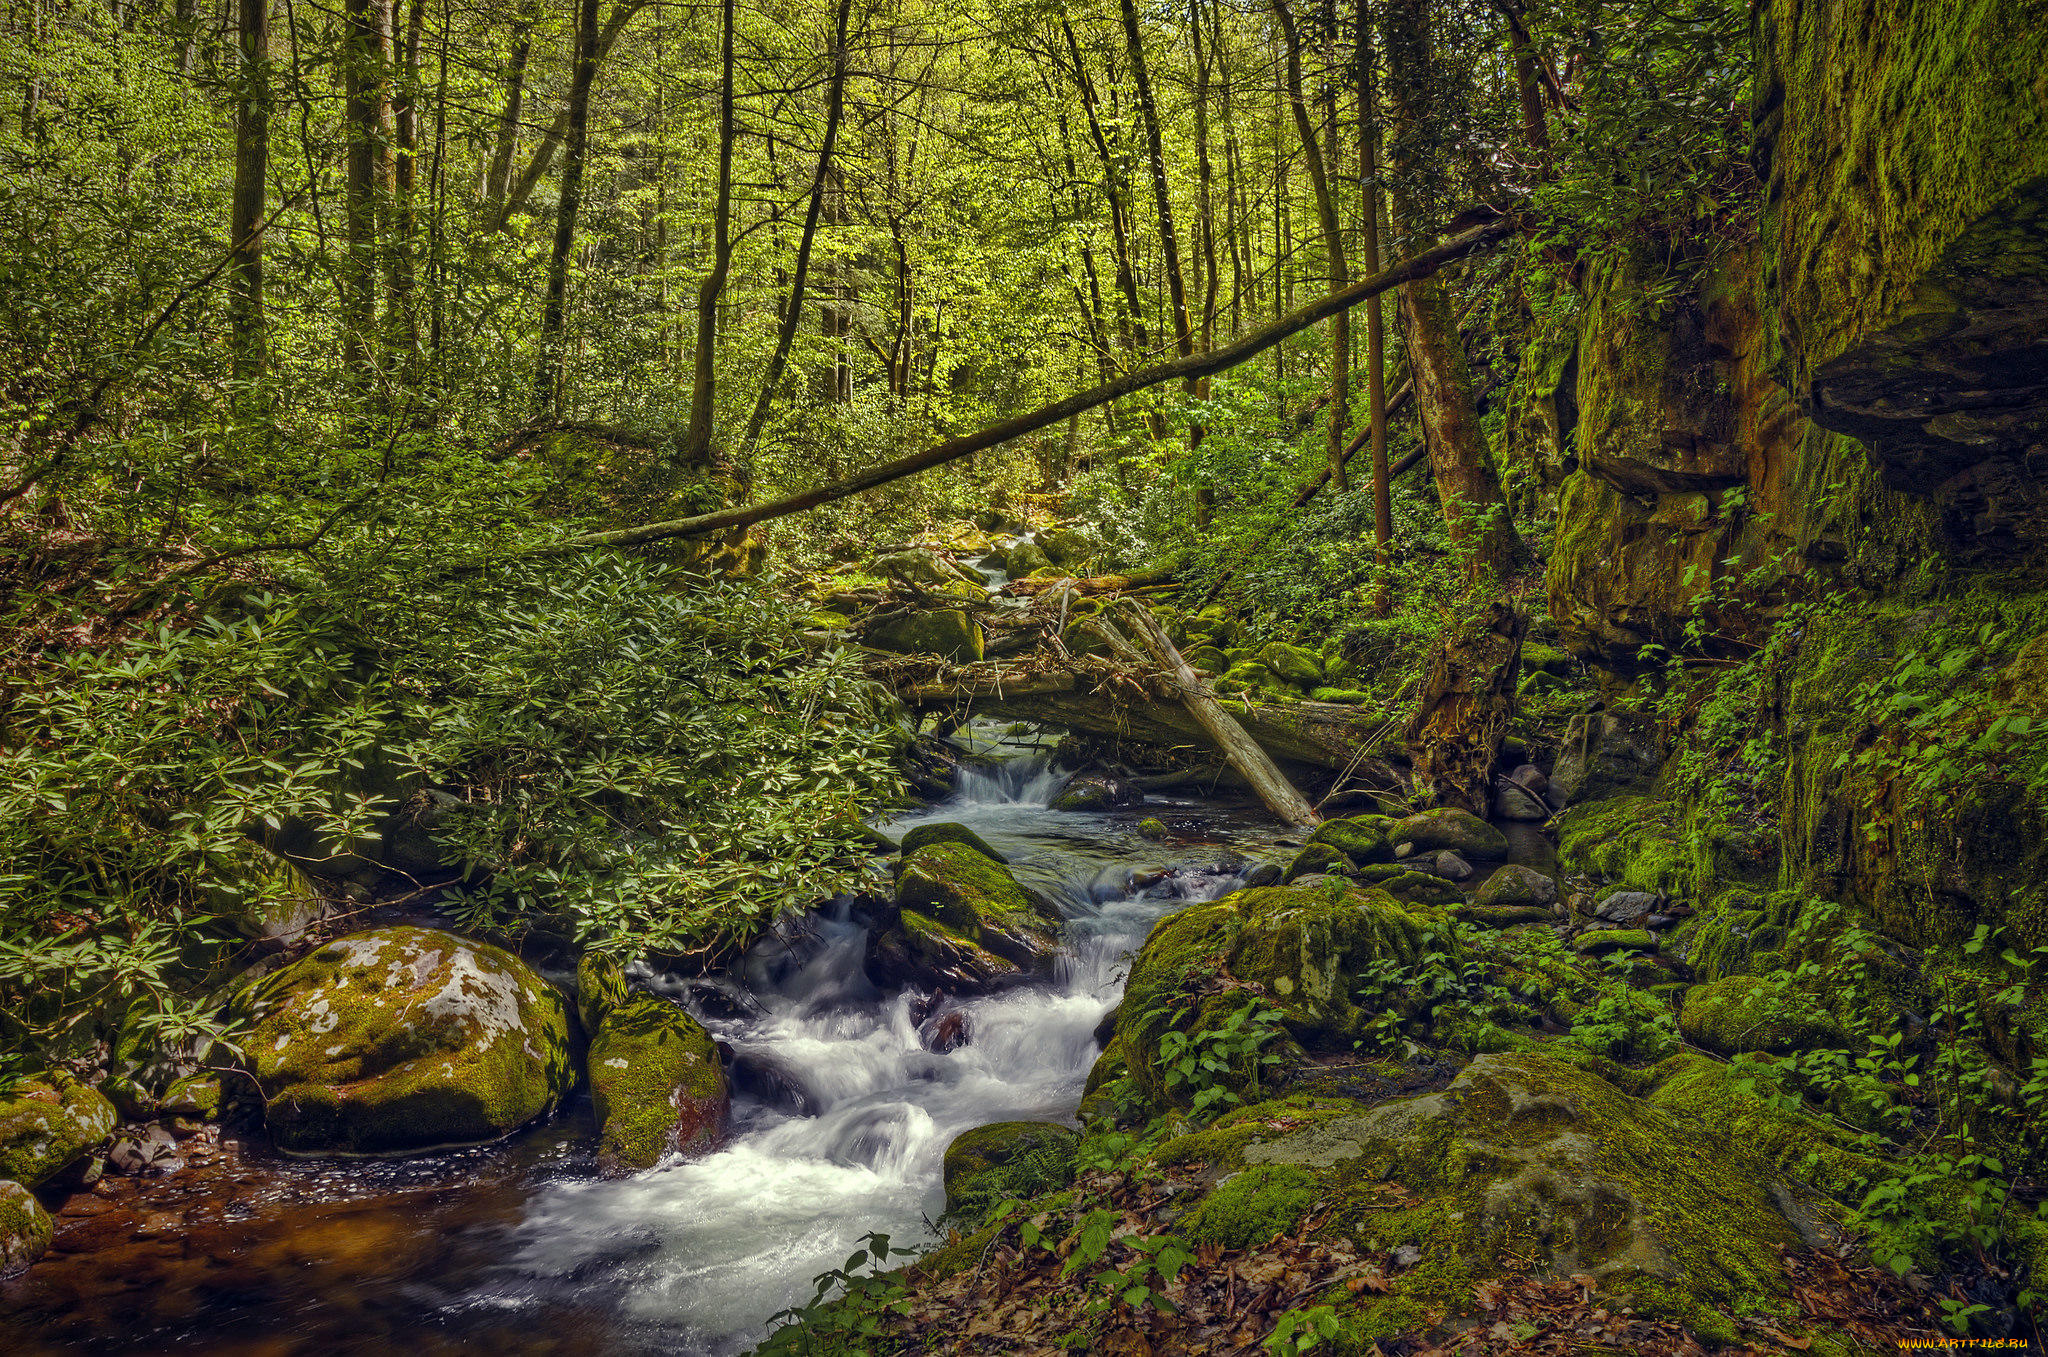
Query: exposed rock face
point(657, 1083)
point(45, 1127)
point(406, 1039)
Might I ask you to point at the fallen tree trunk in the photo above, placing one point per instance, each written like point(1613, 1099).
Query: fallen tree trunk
point(1094, 584)
point(1239, 749)
point(1196, 365)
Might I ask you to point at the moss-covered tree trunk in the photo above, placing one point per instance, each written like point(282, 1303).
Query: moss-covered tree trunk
point(1468, 695)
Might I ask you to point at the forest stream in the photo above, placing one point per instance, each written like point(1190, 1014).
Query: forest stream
point(842, 1112)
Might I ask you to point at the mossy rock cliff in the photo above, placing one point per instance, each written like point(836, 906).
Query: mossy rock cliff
point(403, 1040)
point(658, 1085)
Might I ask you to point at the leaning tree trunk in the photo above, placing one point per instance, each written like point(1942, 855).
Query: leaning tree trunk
point(554, 321)
point(1468, 697)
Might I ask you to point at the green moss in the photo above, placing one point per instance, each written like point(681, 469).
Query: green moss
point(405, 1039)
point(49, 1124)
point(1316, 859)
point(1252, 1206)
point(1222, 1145)
point(1447, 827)
point(657, 1083)
point(1152, 828)
point(977, 899)
point(1361, 838)
point(1292, 664)
point(600, 988)
point(948, 832)
point(1600, 941)
point(1634, 841)
point(1755, 1013)
point(1009, 1159)
point(947, 632)
point(25, 1228)
point(194, 1098)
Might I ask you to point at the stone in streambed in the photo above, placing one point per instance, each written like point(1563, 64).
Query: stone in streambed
point(948, 832)
point(1096, 791)
point(1460, 831)
point(1316, 859)
point(1601, 941)
point(1626, 907)
point(1755, 1013)
point(1008, 1158)
point(49, 1124)
point(1292, 663)
point(1511, 802)
point(658, 1086)
point(1506, 916)
point(946, 631)
point(401, 1040)
point(1361, 838)
point(1516, 885)
point(25, 1228)
point(963, 923)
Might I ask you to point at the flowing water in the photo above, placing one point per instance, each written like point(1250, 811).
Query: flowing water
point(841, 1120)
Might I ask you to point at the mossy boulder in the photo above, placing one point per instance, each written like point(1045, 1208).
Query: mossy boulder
point(47, 1125)
point(1362, 838)
point(1448, 827)
point(1024, 559)
point(1635, 841)
point(1151, 827)
point(1515, 885)
point(963, 923)
point(948, 832)
point(1208, 659)
point(1066, 547)
point(1095, 791)
point(1526, 1160)
point(600, 988)
point(1008, 1159)
point(658, 1085)
point(1602, 941)
point(1755, 1013)
point(1306, 947)
point(1253, 1205)
point(948, 632)
point(1421, 888)
point(1315, 859)
point(1349, 697)
point(918, 567)
point(25, 1228)
point(401, 1040)
point(1293, 664)
point(193, 1099)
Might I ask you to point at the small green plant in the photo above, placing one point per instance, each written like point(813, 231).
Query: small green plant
point(849, 1312)
point(1301, 1331)
point(1208, 1065)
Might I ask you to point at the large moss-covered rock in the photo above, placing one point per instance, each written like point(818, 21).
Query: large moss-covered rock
point(943, 631)
point(1096, 791)
point(1006, 1159)
point(406, 1039)
point(963, 923)
point(1306, 947)
point(947, 832)
point(658, 1085)
point(46, 1126)
point(1293, 664)
point(25, 1228)
point(1253, 1205)
point(918, 567)
point(1066, 547)
point(1755, 1013)
point(1460, 831)
point(1527, 1160)
point(1514, 885)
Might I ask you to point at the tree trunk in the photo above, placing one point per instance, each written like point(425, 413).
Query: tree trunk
point(400, 324)
point(558, 131)
point(363, 74)
point(1242, 752)
point(547, 382)
point(252, 169)
point(1482, 530)
point(696, 449)
point(1375, 336)
point(1155, 154)
point(1333, 247)
point(792, 313)
point(498, 179)
point(1468, 697)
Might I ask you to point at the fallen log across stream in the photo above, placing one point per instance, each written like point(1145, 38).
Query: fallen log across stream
point(1319, 735)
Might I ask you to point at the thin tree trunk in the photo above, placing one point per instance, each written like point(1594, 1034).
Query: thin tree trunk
point(1476, 513)
point(252, 170)
point(547, 383)
point(552, 140)
point(1375, 337)
point(399, 320)
point(1131, 326)
point(1155, 153)
point(792, 314)
point(696, 449)
point(363, 72)
point(498, 179)
point(1333, 247)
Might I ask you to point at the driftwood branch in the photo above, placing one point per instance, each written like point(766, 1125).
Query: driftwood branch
point(953, 449)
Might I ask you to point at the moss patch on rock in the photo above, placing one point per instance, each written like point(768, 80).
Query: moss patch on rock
point(1006, 1159)
point(1253, 1205)
point(964, 922)
point(946, 831)
point(1755, 1013)
point(25, 1228)
point(600, 988)
point(406, 1039)
point(658, 1084)
point(47, 1125)
point(1460, 831)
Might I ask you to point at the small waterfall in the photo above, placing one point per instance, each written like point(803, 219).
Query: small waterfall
point(1029, 781)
